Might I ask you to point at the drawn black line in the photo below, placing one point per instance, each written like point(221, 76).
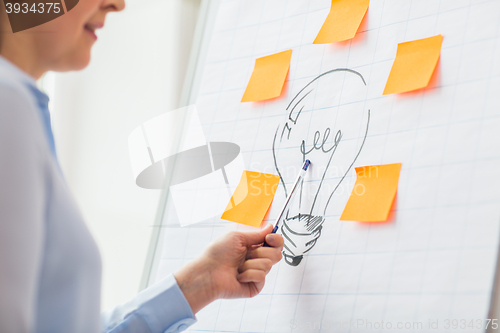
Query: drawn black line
point(350, 167)
point(310, 225)
point(326, 73)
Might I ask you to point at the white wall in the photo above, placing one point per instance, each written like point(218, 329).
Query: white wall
point(137, 71)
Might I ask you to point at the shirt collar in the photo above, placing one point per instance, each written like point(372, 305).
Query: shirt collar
point(15, 73)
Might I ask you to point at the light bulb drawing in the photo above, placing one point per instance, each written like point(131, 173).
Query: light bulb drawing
point(331, 134)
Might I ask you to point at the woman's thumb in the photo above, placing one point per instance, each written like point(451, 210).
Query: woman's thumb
point(257, 237)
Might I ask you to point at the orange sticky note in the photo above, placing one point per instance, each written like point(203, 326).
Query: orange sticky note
point(414, 64)
point(268, 77)
point(373, 194)
point(343, 21)
point(252, 198)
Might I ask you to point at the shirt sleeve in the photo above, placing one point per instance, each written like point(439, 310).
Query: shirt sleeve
point(22, 209)
point(161, 308)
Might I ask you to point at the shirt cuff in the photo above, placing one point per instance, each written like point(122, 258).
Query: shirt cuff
point(164, 307)
point(161, 308)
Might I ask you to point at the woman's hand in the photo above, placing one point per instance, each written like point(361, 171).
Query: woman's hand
point(235, 265)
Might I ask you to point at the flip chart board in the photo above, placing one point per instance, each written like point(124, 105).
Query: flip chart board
point(433, 262)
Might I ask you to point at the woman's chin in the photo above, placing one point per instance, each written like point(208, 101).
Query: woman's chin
point(79, 57)
point(75, 63)
point(82, 63)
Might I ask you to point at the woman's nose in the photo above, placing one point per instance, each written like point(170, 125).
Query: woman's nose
point(118, 5)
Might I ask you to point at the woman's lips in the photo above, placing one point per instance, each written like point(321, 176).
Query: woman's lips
point(91, 28)
point(91, 33)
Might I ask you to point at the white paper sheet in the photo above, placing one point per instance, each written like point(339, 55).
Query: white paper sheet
point(434, 262)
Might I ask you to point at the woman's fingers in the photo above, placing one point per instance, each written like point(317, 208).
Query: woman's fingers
point(256, 237)
point(271, 253)
point(275, 240)
point(252, 275)
point(262, 264)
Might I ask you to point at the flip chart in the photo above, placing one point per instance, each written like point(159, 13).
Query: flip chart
point(436, 259)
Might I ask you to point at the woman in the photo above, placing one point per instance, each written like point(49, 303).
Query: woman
point(50, 269)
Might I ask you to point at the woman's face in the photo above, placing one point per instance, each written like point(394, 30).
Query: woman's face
point(74, 33)
point(64, 43)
